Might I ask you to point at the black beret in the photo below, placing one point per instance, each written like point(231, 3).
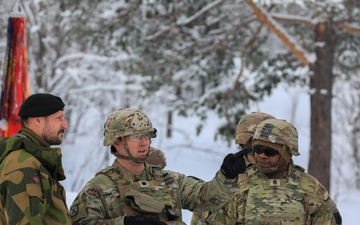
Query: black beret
point(40, 104)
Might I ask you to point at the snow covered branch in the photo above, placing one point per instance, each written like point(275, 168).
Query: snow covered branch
point(199, 13)
point(350, 28)
point(295, 19)
point(184, 21)
point(276, 28)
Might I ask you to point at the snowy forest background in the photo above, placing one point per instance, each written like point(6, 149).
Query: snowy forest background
point(195, 67)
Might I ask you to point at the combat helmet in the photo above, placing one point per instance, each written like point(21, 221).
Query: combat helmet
point(279, 132)
point(125, 122)
point(247, 125)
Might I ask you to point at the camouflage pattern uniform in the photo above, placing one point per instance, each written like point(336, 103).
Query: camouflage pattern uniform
point(247, 126)
point(156, 157)
point(115, 192)
point(293, 198)
point(243, 137)
point(30, 192)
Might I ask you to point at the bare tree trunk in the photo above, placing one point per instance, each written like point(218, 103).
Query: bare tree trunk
point(169, 125)
point(321, 82)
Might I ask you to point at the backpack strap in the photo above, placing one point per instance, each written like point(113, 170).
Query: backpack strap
point(117, 177)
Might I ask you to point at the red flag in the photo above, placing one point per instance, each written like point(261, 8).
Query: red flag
point(15, 81)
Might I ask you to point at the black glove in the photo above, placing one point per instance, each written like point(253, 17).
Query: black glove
point(142, 220)
point(234, 164)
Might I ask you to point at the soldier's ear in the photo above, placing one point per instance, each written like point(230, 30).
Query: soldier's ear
point(117, 143)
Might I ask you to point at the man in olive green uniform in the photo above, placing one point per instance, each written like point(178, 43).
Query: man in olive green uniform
point(133, 192)
point(30, 170)
point(274, 190)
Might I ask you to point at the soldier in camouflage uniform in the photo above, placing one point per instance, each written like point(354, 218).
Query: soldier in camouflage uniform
point(30, 170)
point(133, 192)
point(274, 190)
point(243, 137)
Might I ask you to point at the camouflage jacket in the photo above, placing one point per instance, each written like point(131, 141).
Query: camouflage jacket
point(115, 193)
point(30, 192)
point(295, 199)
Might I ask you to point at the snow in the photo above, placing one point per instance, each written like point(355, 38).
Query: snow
point(201, 156)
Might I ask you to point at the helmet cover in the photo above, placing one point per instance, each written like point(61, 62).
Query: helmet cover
point(247, 125)
point(125, 122)
point(279, 132)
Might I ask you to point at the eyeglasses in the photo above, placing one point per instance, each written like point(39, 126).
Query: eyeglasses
point(139, 137)
point(267, 151)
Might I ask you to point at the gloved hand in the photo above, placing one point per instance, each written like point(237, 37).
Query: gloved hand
point(234, 164)
point(142, 220)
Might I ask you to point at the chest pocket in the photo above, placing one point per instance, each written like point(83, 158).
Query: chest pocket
point(152, 198)
point(274, 201)
point(144, 203)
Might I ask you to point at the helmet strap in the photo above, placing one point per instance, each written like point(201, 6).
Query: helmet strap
point(285, 154)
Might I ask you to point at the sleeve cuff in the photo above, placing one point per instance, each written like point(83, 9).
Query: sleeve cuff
point(223, 179)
